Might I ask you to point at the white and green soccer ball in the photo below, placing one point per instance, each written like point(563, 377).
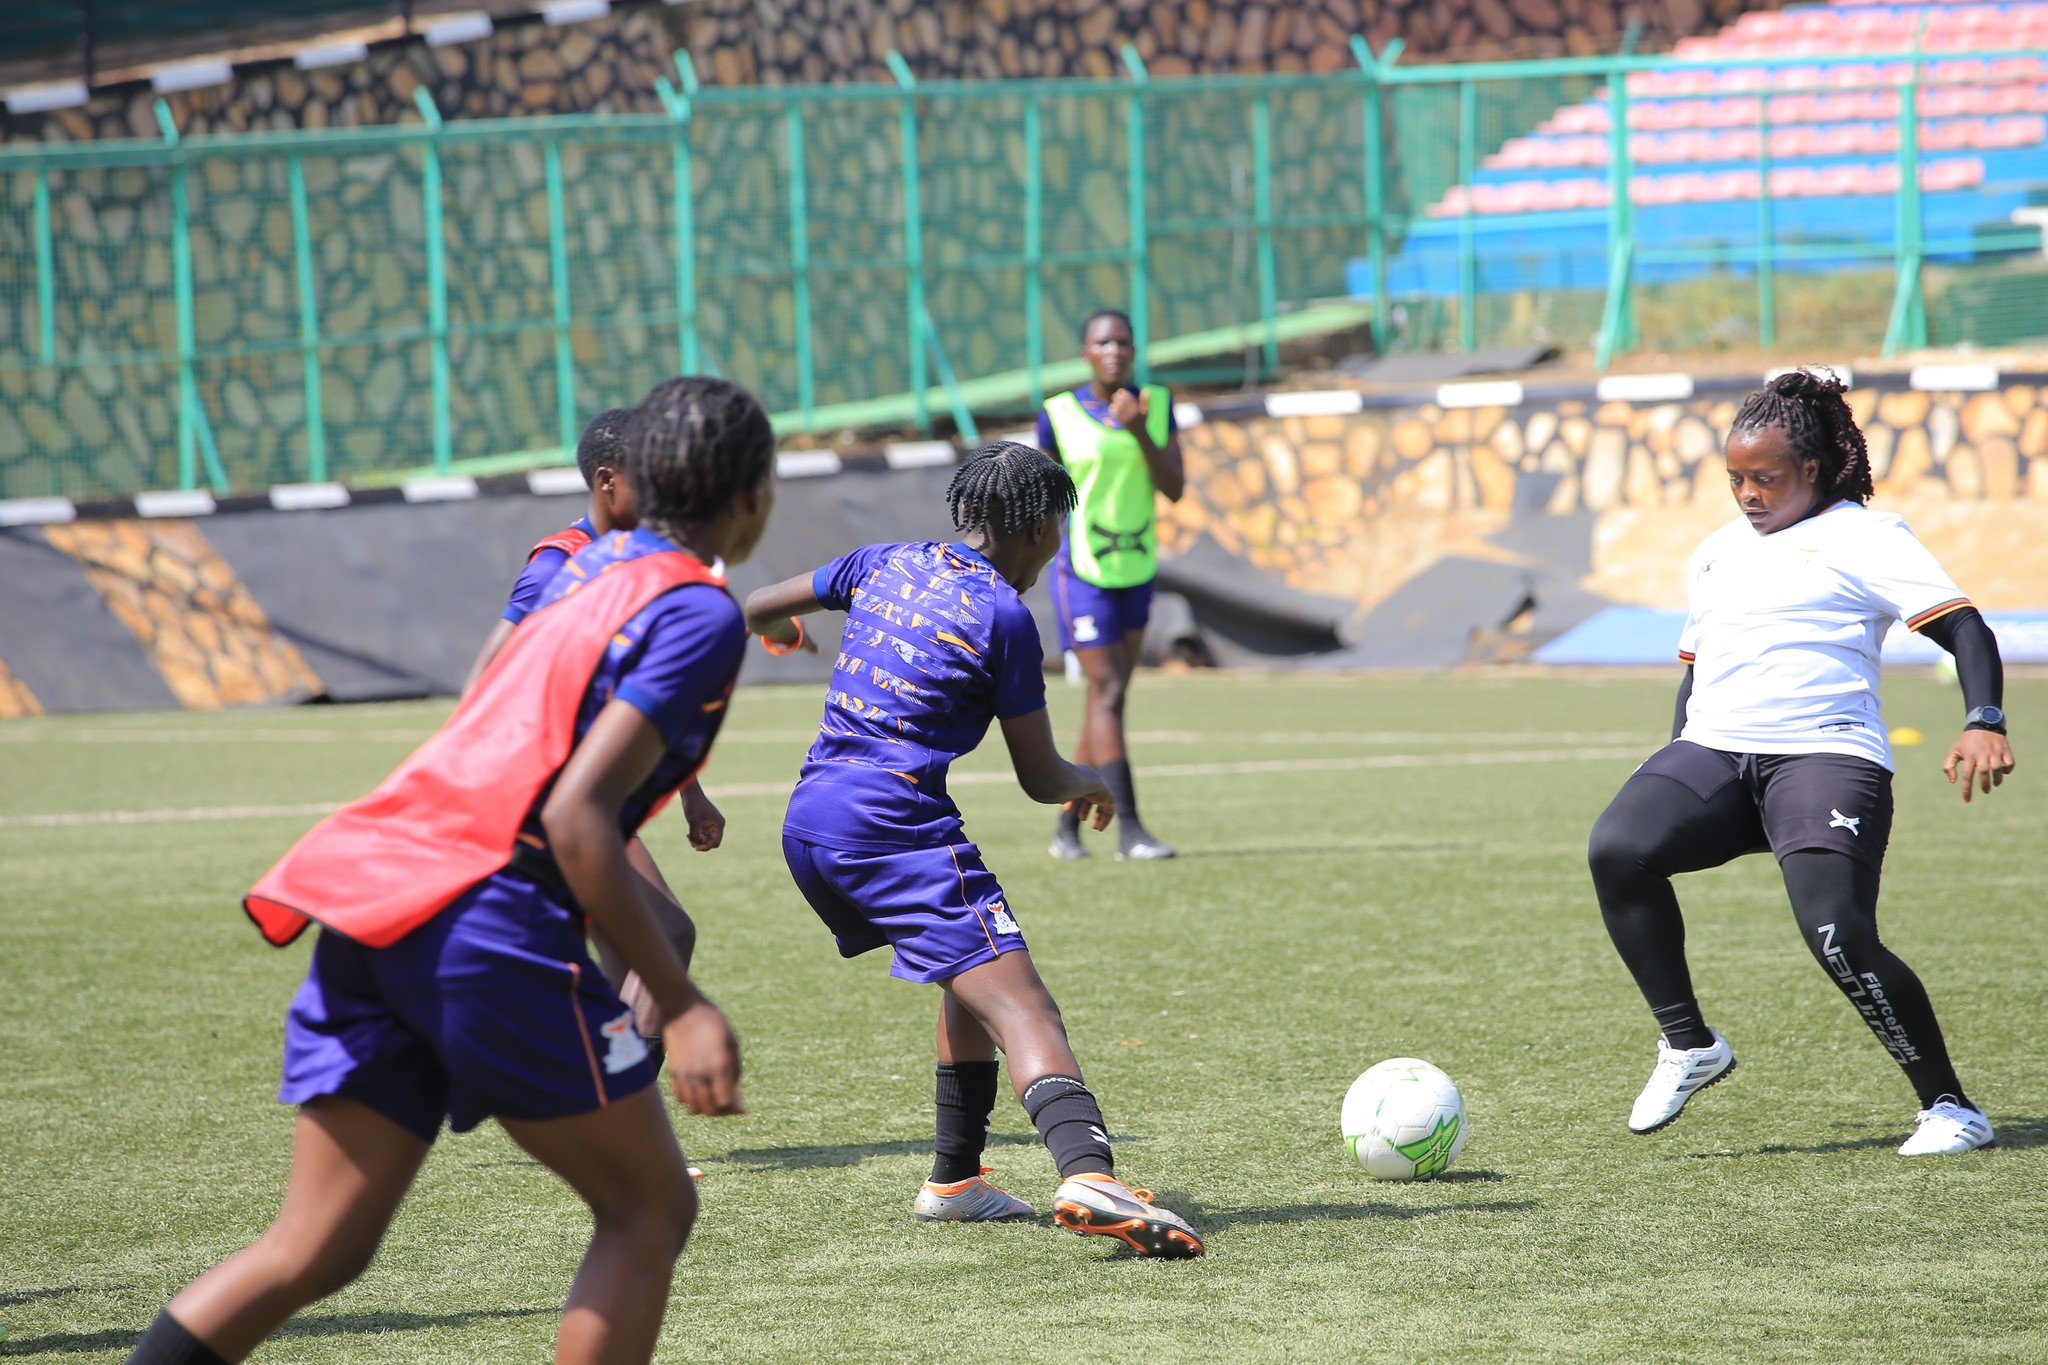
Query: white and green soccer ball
point(1404, 1120)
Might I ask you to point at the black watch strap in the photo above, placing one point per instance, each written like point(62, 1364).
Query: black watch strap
point(1985, 718)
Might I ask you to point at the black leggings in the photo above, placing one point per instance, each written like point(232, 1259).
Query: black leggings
point(1658, 827)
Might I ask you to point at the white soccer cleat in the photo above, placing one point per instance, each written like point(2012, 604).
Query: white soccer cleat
point(1679, 1074)
point(1103, 1206)
point(972, 1200)
point(1946, 1129)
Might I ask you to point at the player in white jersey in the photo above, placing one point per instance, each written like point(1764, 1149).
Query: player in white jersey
point(1778, 745)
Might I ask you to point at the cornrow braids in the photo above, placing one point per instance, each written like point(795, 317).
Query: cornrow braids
point(604, 443)
point(1009, 487)
point(1099, 314)
point(694, 445)
point(1807, 405)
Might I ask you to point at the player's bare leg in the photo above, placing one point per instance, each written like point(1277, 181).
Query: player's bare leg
point(957, 1191)
point(351, 1167)
point(676, 926)
point(624, 1161)
point(1012, 1004)
point(1108, 670)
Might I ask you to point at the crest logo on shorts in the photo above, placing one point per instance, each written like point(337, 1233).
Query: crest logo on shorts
point(1005, 922)
point(1084, 629)
point(625, 1047)
point(1848, 822)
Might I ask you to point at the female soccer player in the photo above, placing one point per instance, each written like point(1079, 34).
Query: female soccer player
point(1778, 744)
point(937, 643)
point(1118, 441)
point(450, 981)
point(601, 459)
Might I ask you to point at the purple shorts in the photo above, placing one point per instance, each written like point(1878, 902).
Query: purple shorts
point(938, 907)
point(1092, 617)
point(493, 1008)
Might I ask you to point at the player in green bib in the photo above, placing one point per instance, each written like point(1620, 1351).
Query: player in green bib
point(1117, 440)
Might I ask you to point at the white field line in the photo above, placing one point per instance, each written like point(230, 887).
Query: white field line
point(227, 735)
point(721, 791)
point(188, 815)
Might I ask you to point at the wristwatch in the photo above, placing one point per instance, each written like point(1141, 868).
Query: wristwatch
point(1985, 718)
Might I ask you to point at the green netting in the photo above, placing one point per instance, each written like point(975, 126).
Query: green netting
point(322, 311)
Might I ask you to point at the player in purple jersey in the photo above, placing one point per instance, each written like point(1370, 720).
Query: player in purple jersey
point(601, 459)
point(937, 644)
point(492, 1008)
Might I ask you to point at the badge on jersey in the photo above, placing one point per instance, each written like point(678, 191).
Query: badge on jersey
point(999, 914)
point(627, 1049)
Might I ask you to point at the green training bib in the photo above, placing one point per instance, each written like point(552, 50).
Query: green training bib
point(1110, 539)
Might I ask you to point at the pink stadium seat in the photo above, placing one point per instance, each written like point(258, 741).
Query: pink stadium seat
point(1845, 116)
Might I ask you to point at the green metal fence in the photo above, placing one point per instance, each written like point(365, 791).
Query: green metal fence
point(237, 311)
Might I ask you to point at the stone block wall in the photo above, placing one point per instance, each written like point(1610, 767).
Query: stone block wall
point(608, 65)
point(191, 614)
point(744, 42)
point(1355, 506)
point(605, 65)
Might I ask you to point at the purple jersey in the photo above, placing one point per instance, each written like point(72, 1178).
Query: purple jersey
point(936, 646)
point(540, 570)
point(1095, 408)
point(674, 662)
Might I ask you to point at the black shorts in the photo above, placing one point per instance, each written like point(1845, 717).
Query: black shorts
point(1796, 801)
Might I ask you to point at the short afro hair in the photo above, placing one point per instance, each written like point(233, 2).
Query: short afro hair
point(604, 444)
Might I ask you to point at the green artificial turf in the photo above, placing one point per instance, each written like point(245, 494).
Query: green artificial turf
point(1371, 868)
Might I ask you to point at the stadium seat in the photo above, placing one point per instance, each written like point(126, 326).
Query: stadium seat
point(1834, 143)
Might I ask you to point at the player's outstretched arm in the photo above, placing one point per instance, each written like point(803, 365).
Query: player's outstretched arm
point(772, 613)
point(495, 641)
point(1047, 777)
point(582, 820)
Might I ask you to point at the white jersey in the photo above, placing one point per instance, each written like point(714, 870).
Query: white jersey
point(1784, 630)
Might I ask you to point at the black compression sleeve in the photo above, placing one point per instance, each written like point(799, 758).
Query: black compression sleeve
point(1684, 700)
point(1965, 634)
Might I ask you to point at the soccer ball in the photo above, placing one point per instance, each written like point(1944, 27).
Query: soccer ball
point(1404, 1120)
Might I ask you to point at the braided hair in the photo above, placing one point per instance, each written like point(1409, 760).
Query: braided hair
point(604, 443)
point(1099, 314)
point(1807, 405)
point(694, 445)
point(1009, 487)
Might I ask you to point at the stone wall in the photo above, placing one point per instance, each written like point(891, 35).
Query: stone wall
point(600, 66)
point(761, 41)
point(16, 700)
point(1356, 506)
point(608, 65)
point(203, 632)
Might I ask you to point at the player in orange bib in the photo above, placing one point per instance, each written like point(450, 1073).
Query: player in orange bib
point(451, 984)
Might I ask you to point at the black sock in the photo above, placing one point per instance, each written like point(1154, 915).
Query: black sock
point(1068, 1118)
point(1116, 775)
point(168, 1343)
point(966, 1095)
point(1070, 824)
point(1682, 1025)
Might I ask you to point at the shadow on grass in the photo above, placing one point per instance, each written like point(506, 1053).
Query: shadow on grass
point(1346, 1213)
point(1323, 850)
point(2012, 1132)
point(309, 1325)
point(58, 1292)
point(853, 1153)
